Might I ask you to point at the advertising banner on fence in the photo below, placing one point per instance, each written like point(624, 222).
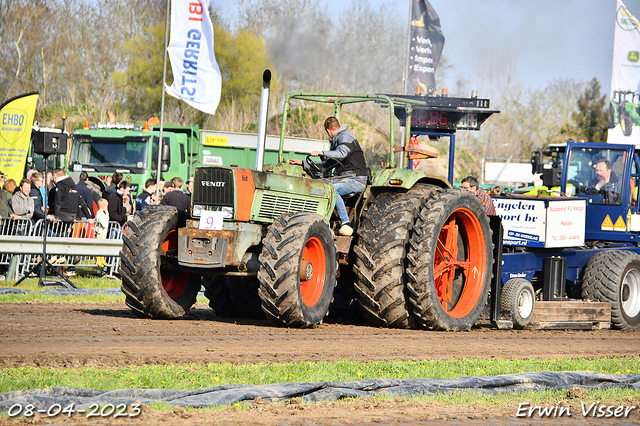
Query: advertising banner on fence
point(197, 80)
point(624, 120)
point(16, 120)
point(425, 46)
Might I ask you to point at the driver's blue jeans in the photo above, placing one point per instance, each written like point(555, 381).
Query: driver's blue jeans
point(343, 187)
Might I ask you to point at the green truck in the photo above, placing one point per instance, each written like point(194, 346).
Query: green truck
point(105, 148)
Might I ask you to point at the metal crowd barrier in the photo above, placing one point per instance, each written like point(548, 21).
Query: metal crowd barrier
point(68, 244)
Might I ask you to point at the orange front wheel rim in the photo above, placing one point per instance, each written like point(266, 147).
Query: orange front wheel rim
point(313, 277)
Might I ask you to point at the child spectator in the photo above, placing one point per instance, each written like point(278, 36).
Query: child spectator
point(102, 218)
point(102, 226)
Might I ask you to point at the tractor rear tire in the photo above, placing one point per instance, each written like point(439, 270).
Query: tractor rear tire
point(297, 270)
point(519, 299)
point(150, 281)
point(381, 249)
point(219, 296)
point(450, 261)
point(614, 276)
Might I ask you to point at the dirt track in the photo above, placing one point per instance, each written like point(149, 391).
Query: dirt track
point(108, 335)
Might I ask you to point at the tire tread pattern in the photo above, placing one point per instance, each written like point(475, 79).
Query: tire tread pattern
point(279, 270)
point(423, 296)
point(602, 279)
point(140, 269)
point(380, 255)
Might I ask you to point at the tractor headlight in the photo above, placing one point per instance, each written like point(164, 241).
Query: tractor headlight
point(227, 212)
point(197, 210)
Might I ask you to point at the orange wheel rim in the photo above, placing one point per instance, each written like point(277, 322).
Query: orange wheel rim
point(313, 255)
point(448, 267)
point(173, 285)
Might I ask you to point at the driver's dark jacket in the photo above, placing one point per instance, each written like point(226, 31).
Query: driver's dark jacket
point(611, 191)
point(345, 148)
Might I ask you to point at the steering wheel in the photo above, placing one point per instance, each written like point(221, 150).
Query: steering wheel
point(314, 170)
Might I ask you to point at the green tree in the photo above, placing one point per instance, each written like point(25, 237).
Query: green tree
point(590, 119)
point(139, 87)
point(241, 59)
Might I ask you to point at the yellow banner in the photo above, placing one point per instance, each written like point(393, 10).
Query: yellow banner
point(16, 120)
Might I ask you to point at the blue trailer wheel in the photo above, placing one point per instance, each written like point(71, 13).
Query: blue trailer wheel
point(519, 299)
point(614, 276)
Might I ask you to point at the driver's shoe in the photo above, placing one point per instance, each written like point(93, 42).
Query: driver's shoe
point(345, 230)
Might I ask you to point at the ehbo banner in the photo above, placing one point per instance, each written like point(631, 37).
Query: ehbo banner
point(624, 118)
point(196, 74)
point(16, 120)
point(425, 46)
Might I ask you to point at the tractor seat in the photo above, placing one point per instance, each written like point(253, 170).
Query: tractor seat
point(350, 195)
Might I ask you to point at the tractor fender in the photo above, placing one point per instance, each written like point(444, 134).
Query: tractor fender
point(406, 178)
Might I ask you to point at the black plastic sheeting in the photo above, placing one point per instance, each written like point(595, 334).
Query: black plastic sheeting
point(42, 399)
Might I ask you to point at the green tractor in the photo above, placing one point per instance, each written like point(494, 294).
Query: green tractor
point(624, 110)
point(263, 242)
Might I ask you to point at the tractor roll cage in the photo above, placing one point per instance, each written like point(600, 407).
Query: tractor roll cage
point(400, 106)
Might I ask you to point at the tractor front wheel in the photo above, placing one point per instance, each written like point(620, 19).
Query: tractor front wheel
point(151, 281)
point(297, 270)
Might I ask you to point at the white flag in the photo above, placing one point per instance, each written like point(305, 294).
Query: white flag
point(624, 120)
point(196, 74)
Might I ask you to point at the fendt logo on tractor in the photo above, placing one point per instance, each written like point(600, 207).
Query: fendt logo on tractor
point(215, 184)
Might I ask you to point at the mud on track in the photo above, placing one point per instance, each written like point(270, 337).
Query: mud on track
point(109, 335)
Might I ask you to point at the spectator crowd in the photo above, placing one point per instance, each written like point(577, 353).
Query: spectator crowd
point(83, 202)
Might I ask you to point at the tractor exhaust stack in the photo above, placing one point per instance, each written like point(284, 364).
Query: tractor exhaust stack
point(264, 116)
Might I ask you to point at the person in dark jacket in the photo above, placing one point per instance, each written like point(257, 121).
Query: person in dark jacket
point(176, 197)
point(146, 197)
point(112, 186)
point(85, 193)
point(117, 210)
point(351, 169)
point(37, 182)
point(67, 202)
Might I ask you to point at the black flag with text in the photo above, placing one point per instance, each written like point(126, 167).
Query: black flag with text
point(426, 45)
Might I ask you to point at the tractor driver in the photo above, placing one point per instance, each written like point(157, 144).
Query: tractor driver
point(351, 171)
point(607, 183)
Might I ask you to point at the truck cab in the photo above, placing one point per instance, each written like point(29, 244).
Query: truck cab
point(106, 148)
point(612, 211)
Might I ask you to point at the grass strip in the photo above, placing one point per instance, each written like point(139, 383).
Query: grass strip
point(36, 294)
point(197, 376)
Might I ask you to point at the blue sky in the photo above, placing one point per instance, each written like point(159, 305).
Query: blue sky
point(544, 40)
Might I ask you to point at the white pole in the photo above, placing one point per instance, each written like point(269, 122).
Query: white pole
point(406, 62)
point(164, 77)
